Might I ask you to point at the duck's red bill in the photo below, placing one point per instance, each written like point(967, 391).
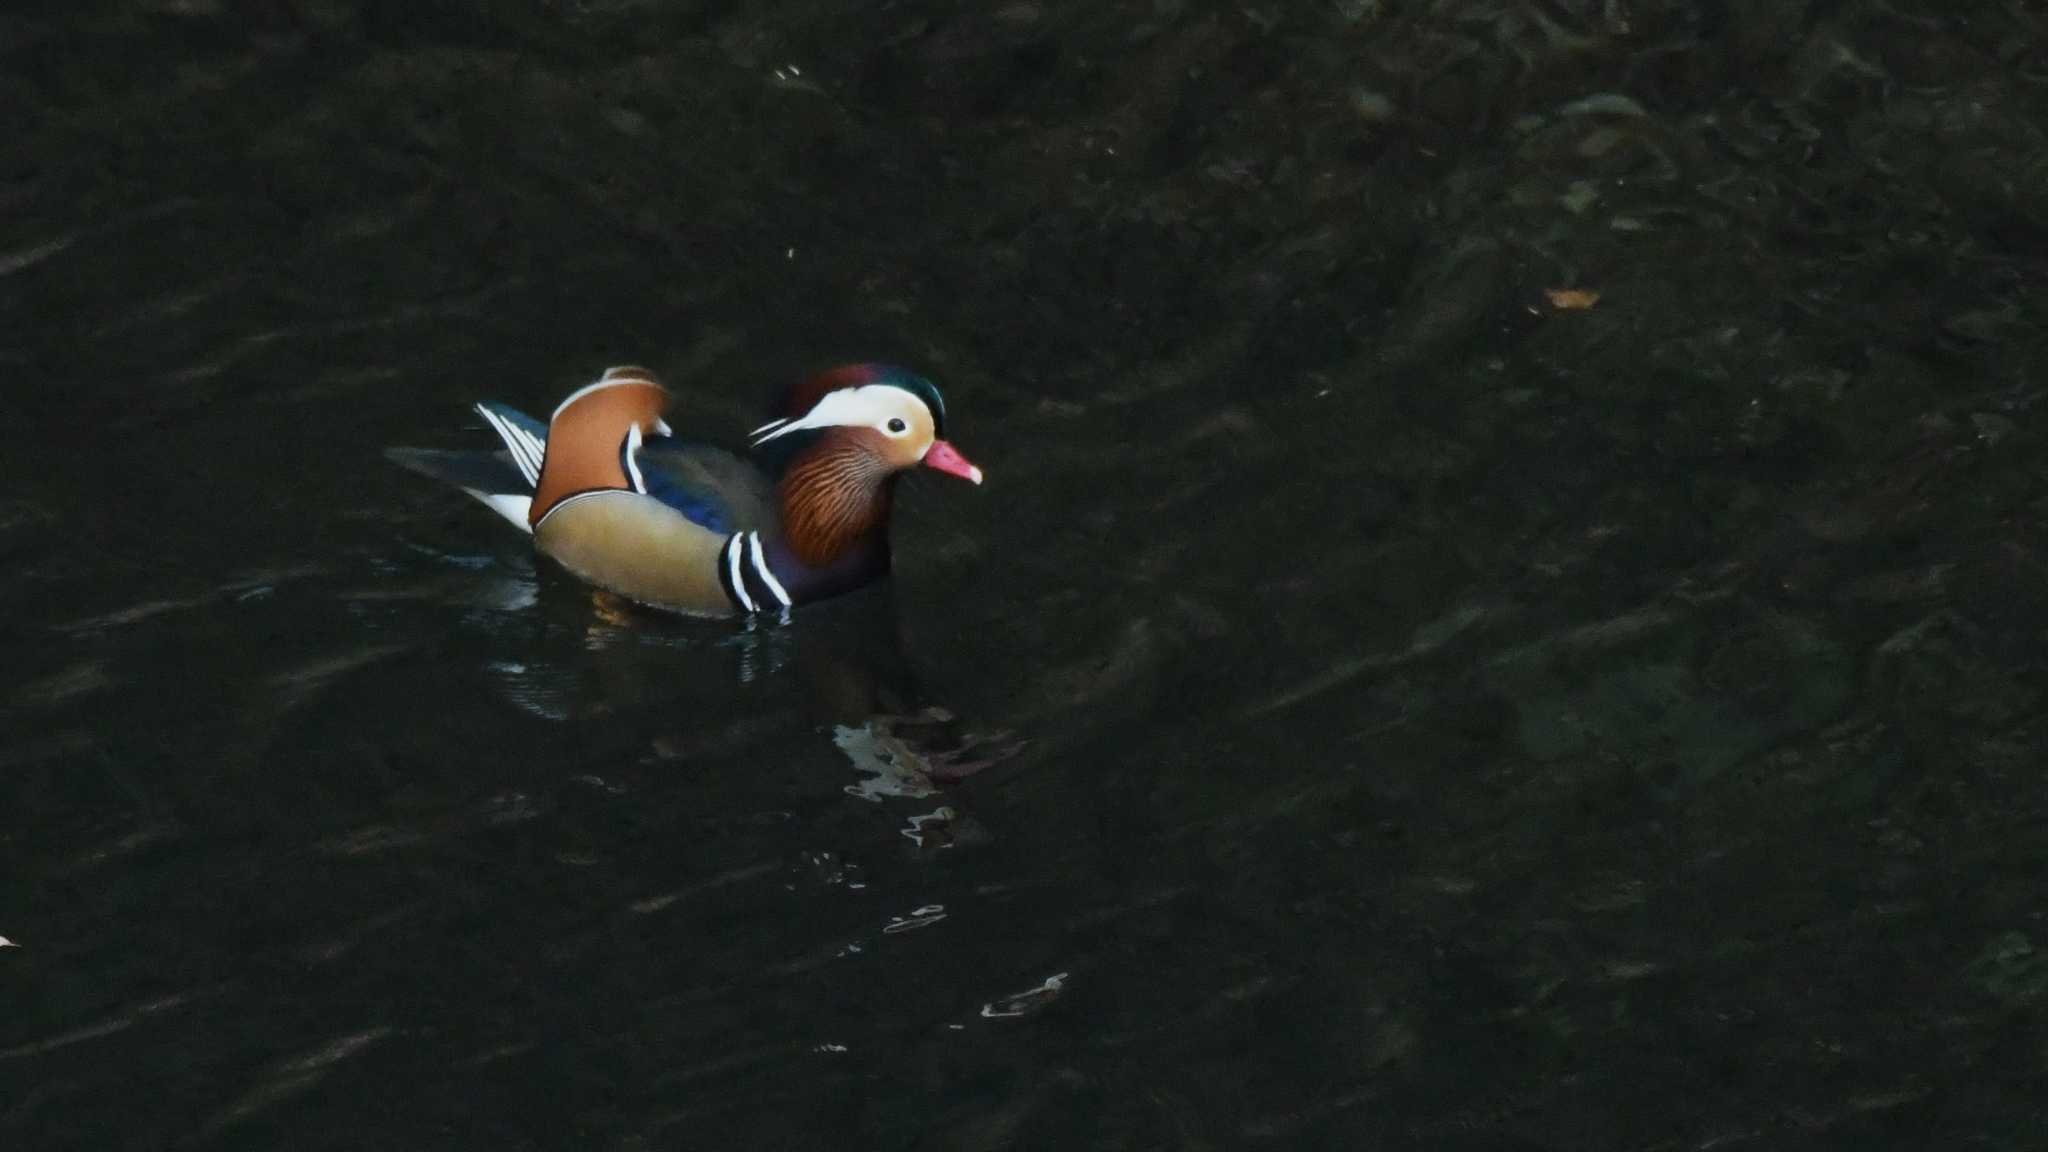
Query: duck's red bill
point(947, 459)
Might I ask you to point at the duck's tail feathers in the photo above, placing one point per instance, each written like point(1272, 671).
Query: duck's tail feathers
point(496, 479)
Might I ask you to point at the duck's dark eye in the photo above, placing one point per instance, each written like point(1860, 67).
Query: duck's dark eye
point(897, 427)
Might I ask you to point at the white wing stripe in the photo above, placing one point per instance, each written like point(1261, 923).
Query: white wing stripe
point(491, 421)
point(632, 454)
point(732, 571)
point(536, 450)
point(525, 448)
point(761, 568)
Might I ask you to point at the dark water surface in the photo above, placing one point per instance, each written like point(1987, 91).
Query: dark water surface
point(1421, 712)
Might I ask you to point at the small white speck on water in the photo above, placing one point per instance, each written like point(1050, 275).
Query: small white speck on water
point(1024, 1002)
point(918, 918)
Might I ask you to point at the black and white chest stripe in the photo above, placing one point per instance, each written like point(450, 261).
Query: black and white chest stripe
point(748, 581)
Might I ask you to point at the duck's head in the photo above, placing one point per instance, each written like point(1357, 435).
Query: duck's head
point(839, 440)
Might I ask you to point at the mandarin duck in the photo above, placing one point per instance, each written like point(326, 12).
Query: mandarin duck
point(607, 490)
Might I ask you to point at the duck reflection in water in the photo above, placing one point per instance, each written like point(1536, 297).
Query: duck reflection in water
point(857, 682)
point(846, 662)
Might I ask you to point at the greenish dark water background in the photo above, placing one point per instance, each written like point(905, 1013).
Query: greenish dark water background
point(1423, 716)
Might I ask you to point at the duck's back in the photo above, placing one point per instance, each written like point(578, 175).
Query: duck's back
point(709, 485)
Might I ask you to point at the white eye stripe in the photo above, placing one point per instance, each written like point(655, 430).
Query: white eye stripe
point(869, 405)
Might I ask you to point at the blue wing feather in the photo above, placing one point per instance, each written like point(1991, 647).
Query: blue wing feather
point(698, 507)
point(711, 487)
